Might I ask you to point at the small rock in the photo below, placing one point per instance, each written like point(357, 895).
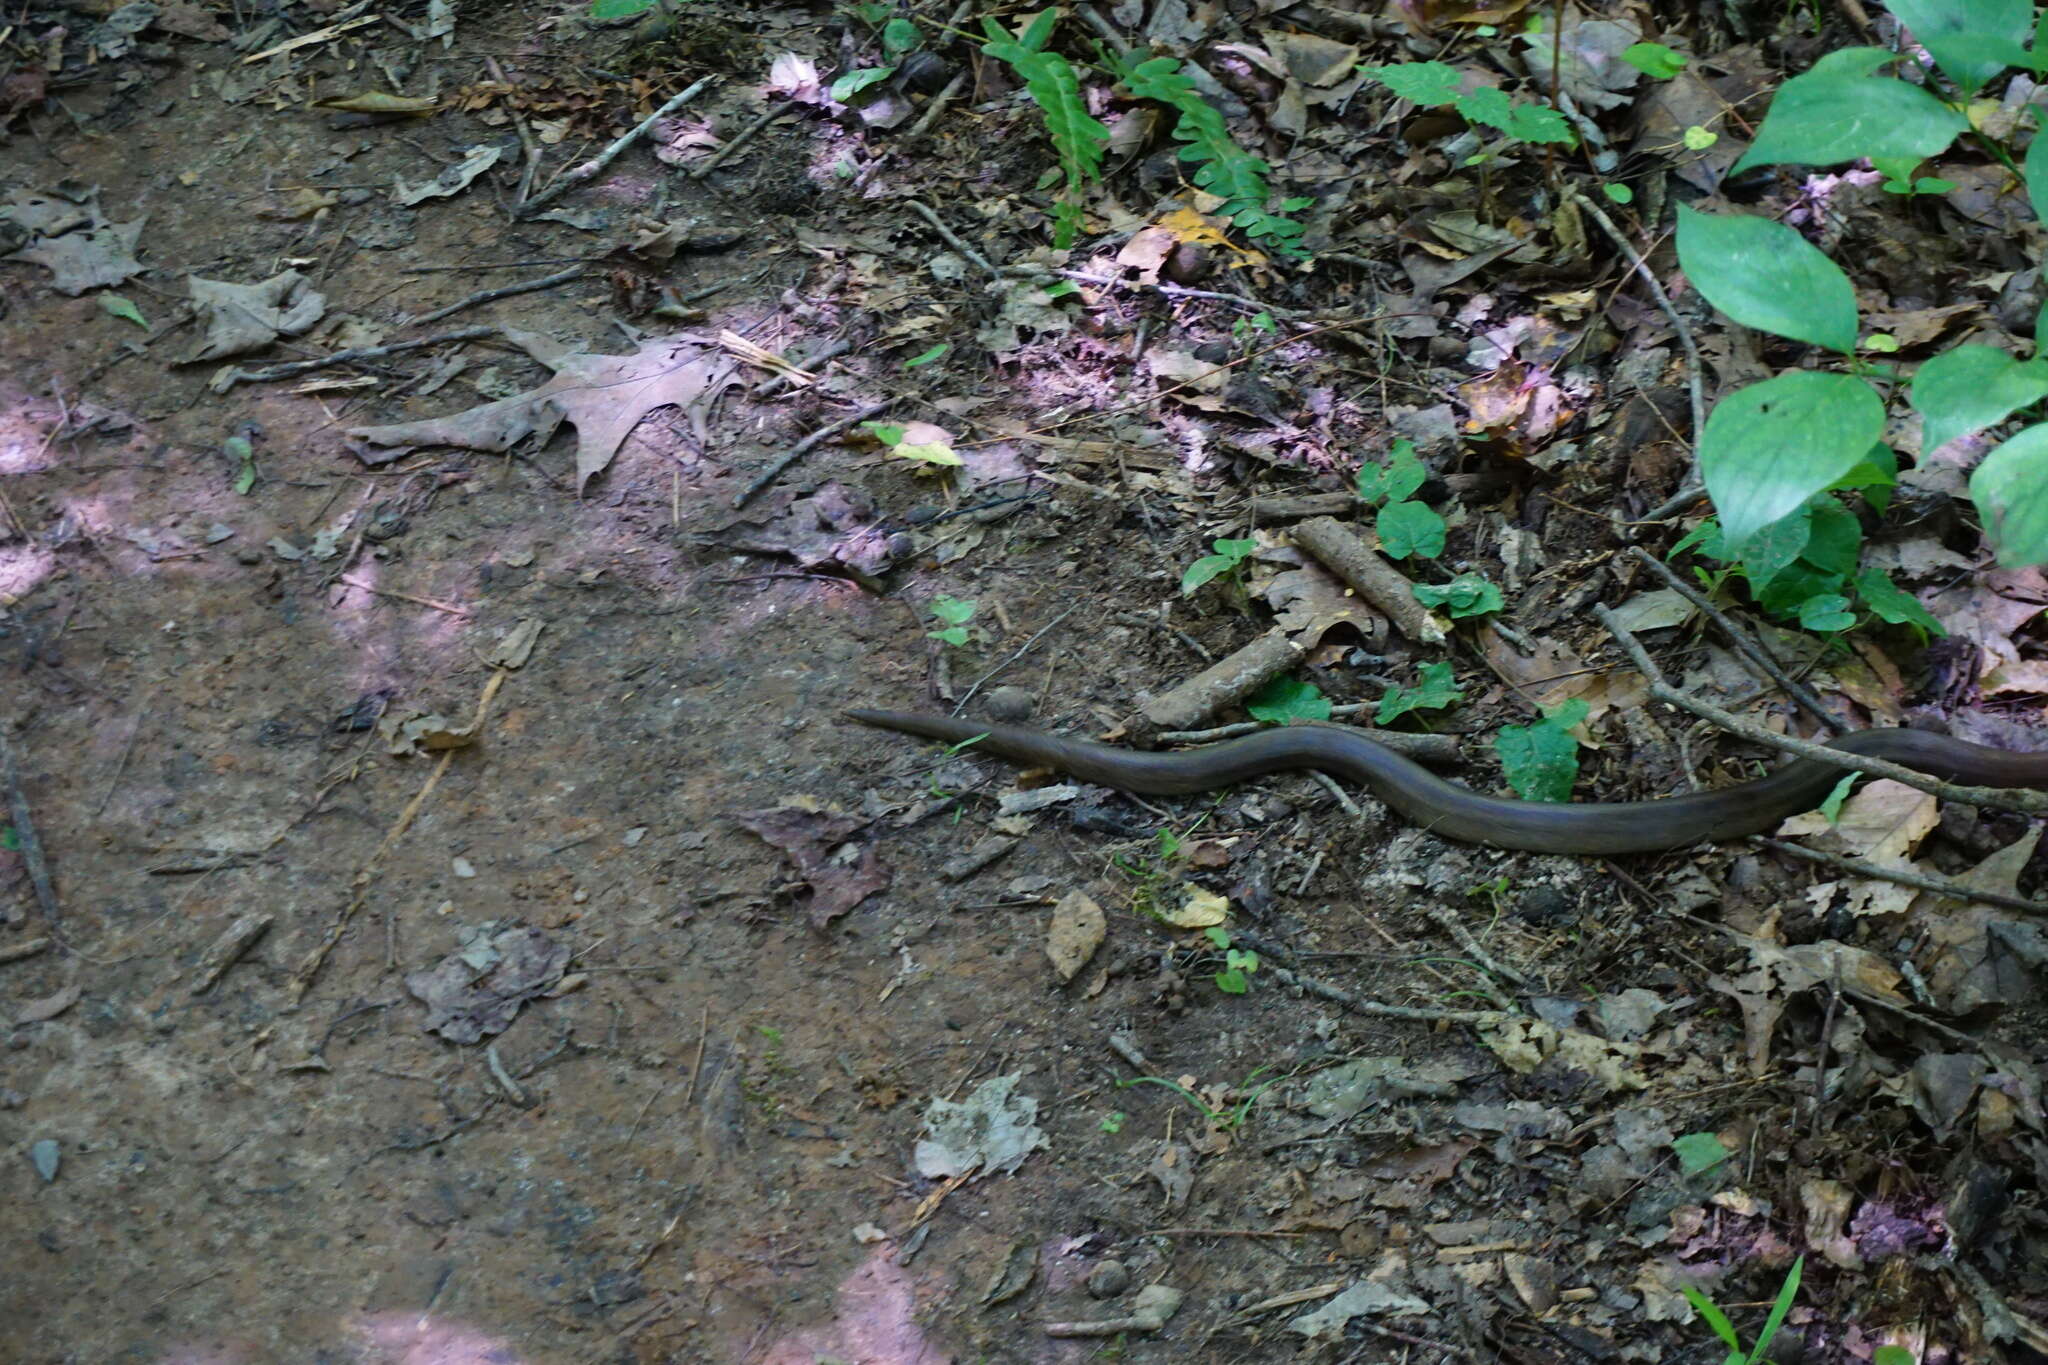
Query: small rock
point(248, 554)
point(45, 1155)
point(1109, 1279)
point(1010, 703)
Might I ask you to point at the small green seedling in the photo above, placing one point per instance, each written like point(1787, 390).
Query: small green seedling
point(1405, 527)
point(1238, 964)
point(1725, 1329)
point(1466, 596)
point(1225, 1119)
point(1113, 1121)
point(953, 615)
point(1435, 690)
point(1285, 700)
point(1228, 556)
point(1541, 761)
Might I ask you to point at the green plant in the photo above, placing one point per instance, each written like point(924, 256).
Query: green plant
point(1697, 1152)
point(1725, 1329)
point(1050, 79)
point(1113, 1121)
point(1224, 169)
point(953, 615)
point(1405, 527)
point(1436, 84)
point(1287, 699)
point(1435, 689)
point(1803, 568)
point(1769, 449)
point(1467, 595)
point(1238, 964)
point(1225, 1119)
point(1541, 761)
point(1228, 556)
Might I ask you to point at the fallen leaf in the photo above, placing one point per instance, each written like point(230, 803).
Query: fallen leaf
point(1078, 925)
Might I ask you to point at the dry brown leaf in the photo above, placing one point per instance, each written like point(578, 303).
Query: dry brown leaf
point(1078, 925)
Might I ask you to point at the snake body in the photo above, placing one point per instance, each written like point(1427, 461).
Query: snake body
point(1472, 817)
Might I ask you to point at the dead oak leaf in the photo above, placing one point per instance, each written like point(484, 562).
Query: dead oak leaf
point(602, 396)
point(816, 839)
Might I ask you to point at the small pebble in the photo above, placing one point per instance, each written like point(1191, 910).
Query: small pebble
point(1109, 1279)
point(1010, 703)
point(45, 1156)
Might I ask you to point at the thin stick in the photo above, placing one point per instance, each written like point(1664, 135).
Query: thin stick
point(25, 831)
point(951, 238)
point(1694, 390)
point(746, 135)
point(1940, 886)
point(487, 295)
point(805, 446)
point(1740, 638)
point(1995, 798)
point(349, 357)
point(1268, 950)
point(610, 154)
point(1022, 650)
point(451, 609)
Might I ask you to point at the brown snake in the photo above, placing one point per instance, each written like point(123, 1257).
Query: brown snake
point(1471, 817)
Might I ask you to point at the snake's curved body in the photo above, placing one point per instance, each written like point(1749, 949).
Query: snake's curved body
point(1472, 817)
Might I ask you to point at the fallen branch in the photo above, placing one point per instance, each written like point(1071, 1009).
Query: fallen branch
point(804, 447)
point(571, 179)
point(1340, 550)
point(1920, 881)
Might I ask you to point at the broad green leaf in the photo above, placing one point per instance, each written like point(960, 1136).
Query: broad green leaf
point(1654, 60)
point(1410, 528)
point(1765, 275)
point(1831, 804)
point(1236, 549)
point(1395, 480)
point(1467, 595)
point(1538, 123)
point(118, 306)
point(901, 35)
point(1826, 613)
point(1425, 83)
point(1892, 1355)
point(1837, 112)
point(955, 636)
point(1970, 388)
point(1620, 194)
point(1541, 761)
point(1791, 589)
point(1287, 699)
point(2035, 169)
point(1698, 1152)
point(1835, 538)
point(952, 610)
point(1970, 40)
point(1889, 602)
point(853, 82)
point(619, 9)
point(1435, 690)
point(2011, 492)
point(1773, 549)
point(1771, 446)
point(1698, 139)
point(1875, 475)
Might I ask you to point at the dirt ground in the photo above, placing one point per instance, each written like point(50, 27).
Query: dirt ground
point(614, 1032)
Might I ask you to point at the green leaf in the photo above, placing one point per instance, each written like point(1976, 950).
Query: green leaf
point(1826, 613)
point(1786, 1293)
point(1831, 804)
point(1236, 549)
point(955, 636)
point(1398, 478)
point(1715, 1319)
point(1968, 388)
point(853, 82)
point(1765, 275)
point(1776, 547)
point(1232, 982)
point(1538, 123)
point(1836, 112)
point(1467, 595)
point(1620, 194)
point(1425, 83)
point(1654, 60)
point(1410, 528)
point(1435, 690)
point(10, 838)
point(952, 610)
point(2011, 492)
point(1970, 40)
point(1835, 538)
point(1052, 83)
point(1698, 1152)
point(1216, 933)
point(1229, 554)
point(888, 433)
point(1768, 448)
point(927, 357)
point(619, 9)
point(1541, 761)
point(1876, 475)
point(1889, 602)
point(901, 35)
point(1698, 139)
point(1224, 169)
point(1287, 699)
point(242, 452)
point(2035, 169)
point(120, 307)
point(1892, 1355)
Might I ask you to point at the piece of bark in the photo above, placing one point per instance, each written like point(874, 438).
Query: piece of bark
point(1272, 511)
point(1230, 679)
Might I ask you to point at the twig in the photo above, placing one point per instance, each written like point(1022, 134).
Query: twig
point(805, 446)
point(741, 139)
point(610, 154)
point(951, 238)
point(25, 830)
point(1268, 950)
point(938, 105)
point(1941, 886)
point(1022, 650)
point(1338, 548)
point(450, 608)
point(1455, 927)
point(1995, 798)
point(351, 356)
point(1740, 638)
point(1694, 390)
point(1337, 794)
point(487, 295)
point(1442, 749)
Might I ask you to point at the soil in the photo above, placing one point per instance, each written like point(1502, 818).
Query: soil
point(246, 1121)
